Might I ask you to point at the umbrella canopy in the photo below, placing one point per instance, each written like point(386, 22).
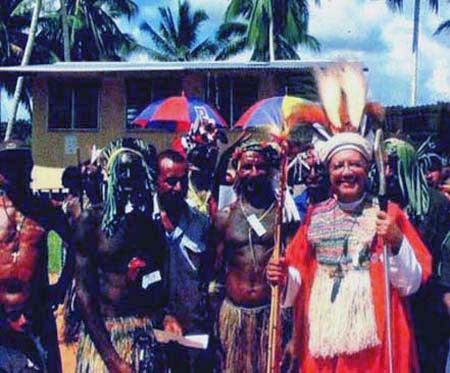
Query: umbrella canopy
point(176, 113)
point(276, 110)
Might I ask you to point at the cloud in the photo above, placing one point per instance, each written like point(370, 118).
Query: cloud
point(382, 39)
point(6, 108)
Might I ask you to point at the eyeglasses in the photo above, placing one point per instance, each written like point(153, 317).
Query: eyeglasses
point(14, 316)
point(172, 181)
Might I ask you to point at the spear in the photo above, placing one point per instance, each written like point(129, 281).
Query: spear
point(383, 207)
point(273, 361)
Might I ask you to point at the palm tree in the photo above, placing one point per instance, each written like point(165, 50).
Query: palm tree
point(177, 40)
point(272, 28)
point(443, 27)
point(14, 23)
point(25, 60)
point(94, 34)
point(397, 5)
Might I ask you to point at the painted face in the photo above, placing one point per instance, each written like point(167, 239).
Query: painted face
point(434, 178)
point(393, 189)
point(317, 173)
point(203, 158)
point(253, 173)
point(131, 172)
point(348, 175)
point(172, 181)
point(15, 170)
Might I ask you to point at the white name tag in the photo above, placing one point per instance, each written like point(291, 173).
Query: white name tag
point(256, 225)
point(150, 278)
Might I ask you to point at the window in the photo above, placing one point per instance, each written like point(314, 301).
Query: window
point(231, 96)
point(141, 92)
point(300, 84)
point(73, 104)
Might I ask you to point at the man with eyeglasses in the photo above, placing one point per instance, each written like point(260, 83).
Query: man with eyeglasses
point(28, 340)
point(315, 178)
point(186, 237)
point(338, 254)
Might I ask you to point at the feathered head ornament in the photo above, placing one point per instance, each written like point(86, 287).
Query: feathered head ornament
point(268, 150)
point(342, 109)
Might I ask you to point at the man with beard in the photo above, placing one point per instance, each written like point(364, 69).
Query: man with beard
point(429, 211)
point(120, 275)
point(185, 232)
point(28, 339)
point(244, 236)
point(315, 177)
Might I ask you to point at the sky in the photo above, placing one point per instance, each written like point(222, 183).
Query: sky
point(364, 30)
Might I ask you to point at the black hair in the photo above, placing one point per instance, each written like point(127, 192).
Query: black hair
point(171, 154)
point(71, 178)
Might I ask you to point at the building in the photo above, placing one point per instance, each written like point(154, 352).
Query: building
point(79, 104)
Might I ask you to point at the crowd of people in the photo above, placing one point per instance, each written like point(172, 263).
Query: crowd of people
point(179, 243)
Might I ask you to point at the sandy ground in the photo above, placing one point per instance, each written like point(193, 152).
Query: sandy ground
point(68, 352)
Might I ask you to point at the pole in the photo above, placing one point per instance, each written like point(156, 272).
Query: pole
point(415, 51)
point(387, 283)
point(273, 355)
point(271, 41)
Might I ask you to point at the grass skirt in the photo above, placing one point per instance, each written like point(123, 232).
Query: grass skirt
point(244, 337)
point(122, 331)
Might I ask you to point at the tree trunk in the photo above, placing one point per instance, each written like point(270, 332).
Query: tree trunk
point(75, 14)
point(271, 36)
point(25, 60)
point(415, 51)
point(65, 30)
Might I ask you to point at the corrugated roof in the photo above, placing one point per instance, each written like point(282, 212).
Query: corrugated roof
point(69, 68)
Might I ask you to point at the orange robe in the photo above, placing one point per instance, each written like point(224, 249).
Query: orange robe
point(301, 256)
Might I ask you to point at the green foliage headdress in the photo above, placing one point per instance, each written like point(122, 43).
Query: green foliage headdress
point(411, 175)
point(110, 160)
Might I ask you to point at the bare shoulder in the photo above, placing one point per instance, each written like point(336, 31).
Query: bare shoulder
point(223, 215)
point(86, 229)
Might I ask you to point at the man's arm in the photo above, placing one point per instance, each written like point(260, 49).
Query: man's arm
point(87, 294)
point(60, 225)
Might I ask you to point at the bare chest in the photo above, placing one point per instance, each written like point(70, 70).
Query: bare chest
point(20, 239)
point(252, 226)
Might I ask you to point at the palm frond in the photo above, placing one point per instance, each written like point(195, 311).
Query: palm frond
point(238, 8)
point(161, 43)
point(204, 49)
point(232, 48)
point(230, 29)
point(443, 27)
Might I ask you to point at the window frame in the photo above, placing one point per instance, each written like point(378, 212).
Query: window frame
point(75, 85)
point(177, 91)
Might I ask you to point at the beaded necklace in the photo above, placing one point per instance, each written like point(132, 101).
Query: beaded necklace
point(14, 236)
point(250, 229)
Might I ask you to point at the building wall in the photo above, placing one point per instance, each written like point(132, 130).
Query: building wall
point(49, 146)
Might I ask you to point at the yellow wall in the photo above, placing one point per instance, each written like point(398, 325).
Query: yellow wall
point(48, 146)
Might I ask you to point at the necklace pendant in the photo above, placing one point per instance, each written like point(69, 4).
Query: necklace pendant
point(15, 256)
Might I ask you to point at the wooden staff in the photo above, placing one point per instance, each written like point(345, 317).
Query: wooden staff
point(383, 207)
point(274, 348)
point(80, 167)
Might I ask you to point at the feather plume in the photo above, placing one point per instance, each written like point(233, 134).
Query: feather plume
point(354, 87)
point(307, 113)
point(330, 95)
point(376, 110)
